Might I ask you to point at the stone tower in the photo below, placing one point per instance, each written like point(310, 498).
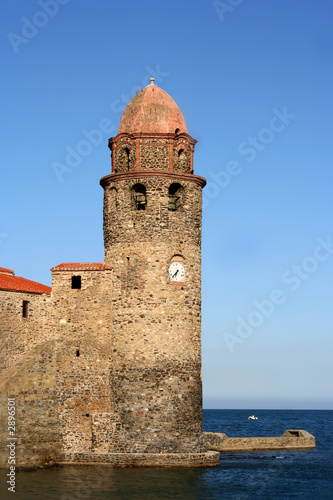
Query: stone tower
point(152, 235)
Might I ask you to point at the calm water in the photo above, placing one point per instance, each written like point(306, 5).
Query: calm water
point(272, 475)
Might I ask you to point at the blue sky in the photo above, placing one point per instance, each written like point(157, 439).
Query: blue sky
point(254, 82)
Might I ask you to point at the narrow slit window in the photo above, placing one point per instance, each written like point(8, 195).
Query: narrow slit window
point(76, 282)
point(77, 353)
point(25, 307)
point(127, 158)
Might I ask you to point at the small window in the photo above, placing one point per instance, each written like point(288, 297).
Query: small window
point(25, 306)
point(76, 282)
point(77, 353)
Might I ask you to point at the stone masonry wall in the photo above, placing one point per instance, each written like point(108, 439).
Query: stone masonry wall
point(28, 373)
point(152, 153)
point(37, 430)
point(156, 349)
point(18, 335)
point(83, 324)
point(195, 459)
point(290, 440)
point(125, 155)
point(182, 156)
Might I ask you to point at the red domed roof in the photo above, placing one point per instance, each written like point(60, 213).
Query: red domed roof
point(152, 111)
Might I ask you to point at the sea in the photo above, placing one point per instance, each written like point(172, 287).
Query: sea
point(242, 476)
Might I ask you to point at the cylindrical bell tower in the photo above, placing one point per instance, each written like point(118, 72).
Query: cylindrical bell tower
point(152, 235)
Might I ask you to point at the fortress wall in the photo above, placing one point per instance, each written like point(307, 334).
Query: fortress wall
point(18, 334)
point(32, 383)
point(83, 354)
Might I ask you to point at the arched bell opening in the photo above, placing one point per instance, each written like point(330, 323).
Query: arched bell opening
point(175, 197)
point(139, 197)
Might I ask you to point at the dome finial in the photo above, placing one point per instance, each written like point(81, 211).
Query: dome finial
point(152, 79)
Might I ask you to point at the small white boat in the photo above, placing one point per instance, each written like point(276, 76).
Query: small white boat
point(252, 417)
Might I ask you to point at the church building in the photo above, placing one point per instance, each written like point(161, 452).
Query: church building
point(105, 366)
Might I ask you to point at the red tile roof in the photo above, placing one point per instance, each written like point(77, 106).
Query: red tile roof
point(16, 284)
point(81, 266)
point(6, 271)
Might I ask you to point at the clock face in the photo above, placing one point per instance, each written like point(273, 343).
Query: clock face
point(176, 271)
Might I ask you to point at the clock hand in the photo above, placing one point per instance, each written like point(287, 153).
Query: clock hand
point(175, 273)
